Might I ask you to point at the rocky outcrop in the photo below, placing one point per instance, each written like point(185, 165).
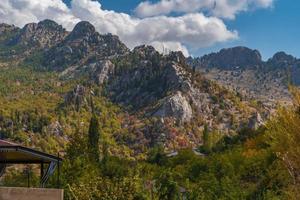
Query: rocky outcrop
point(281, 59)
point(288, 65)
point(83, 46)
point(7, 30)
point(44, 34)
point(231, 58)
point(176, 106)
point(165, 87)
point(99, 72)
point(102, 71)
point(255, 121)
point(143, 77)
point(241, 69)
point(77, 97)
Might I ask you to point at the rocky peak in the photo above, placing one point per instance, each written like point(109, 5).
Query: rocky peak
point(83, 46)
point(81, 30)
point(29, 28)
point(145, 51)
point(49, 24)
point(7, 32)
point(163, 87)
point(110, 38)
point(281, 59)
point(232, 58)
point(6, 28)
point(43, 34)
point(148, 78)
point(177, 56)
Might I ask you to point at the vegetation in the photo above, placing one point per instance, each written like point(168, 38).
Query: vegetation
point(112, 154)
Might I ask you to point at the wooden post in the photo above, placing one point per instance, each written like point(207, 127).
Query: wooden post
point(28, 177)
point(42, 174)
point(58, 171)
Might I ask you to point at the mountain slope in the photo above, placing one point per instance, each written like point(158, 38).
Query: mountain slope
point(164, 99)
point(241, 69)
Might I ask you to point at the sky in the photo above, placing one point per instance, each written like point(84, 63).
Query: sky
point(195, 27)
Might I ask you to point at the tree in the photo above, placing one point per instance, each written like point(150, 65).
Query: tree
point(284, 132)
point(167, 187)
point(93, 137)
point(205, 138)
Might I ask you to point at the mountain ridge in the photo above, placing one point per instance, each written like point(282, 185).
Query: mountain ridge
point(141, 81)
point(265, 81)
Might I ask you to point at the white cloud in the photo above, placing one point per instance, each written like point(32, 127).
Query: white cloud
point(166, 47)
point(189, 31)
point(21, 12)
point(219, 8)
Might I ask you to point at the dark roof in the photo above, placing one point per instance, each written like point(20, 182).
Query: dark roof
point(12, 153)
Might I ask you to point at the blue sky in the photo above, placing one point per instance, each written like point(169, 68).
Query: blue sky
point(268, 30)
point(195, 27)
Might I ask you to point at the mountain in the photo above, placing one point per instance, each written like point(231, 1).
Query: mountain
point(237, 57)
point(32, 38)
point(83, 45)
point(7, 30)
point(242, 70)
point(150, 87)
point(44, 34)
point(165, 87)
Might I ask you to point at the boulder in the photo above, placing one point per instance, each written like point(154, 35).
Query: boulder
point(176, 106)
point(255, 121)
point(55, 128)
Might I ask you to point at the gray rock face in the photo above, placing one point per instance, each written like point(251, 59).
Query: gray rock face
point(163, 86)
point(7, 29)
point(45, 34)
point(242, 70)
point(281, 59)
point(103, 70)
point(99, 71)
point(255, 121)
point(83, 46)
point(232, 58)
point(82, 30)
point(148, 78)
point(177, 107)
point(77, 97)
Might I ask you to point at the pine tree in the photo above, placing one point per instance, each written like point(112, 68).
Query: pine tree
point(205, 138)
point(94, 135)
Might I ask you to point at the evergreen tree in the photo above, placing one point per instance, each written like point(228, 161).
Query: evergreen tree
point(167, 187)
point(94, 135)
point(206, 145)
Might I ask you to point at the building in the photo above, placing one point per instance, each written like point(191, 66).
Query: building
point(15, 154)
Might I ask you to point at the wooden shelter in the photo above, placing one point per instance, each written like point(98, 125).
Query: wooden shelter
point(11, 153)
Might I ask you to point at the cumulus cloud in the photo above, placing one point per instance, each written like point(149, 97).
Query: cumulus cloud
point(189, 31)
point(21, 12)
point(219, 8)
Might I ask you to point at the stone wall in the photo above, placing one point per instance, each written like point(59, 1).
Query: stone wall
point(30, 194)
